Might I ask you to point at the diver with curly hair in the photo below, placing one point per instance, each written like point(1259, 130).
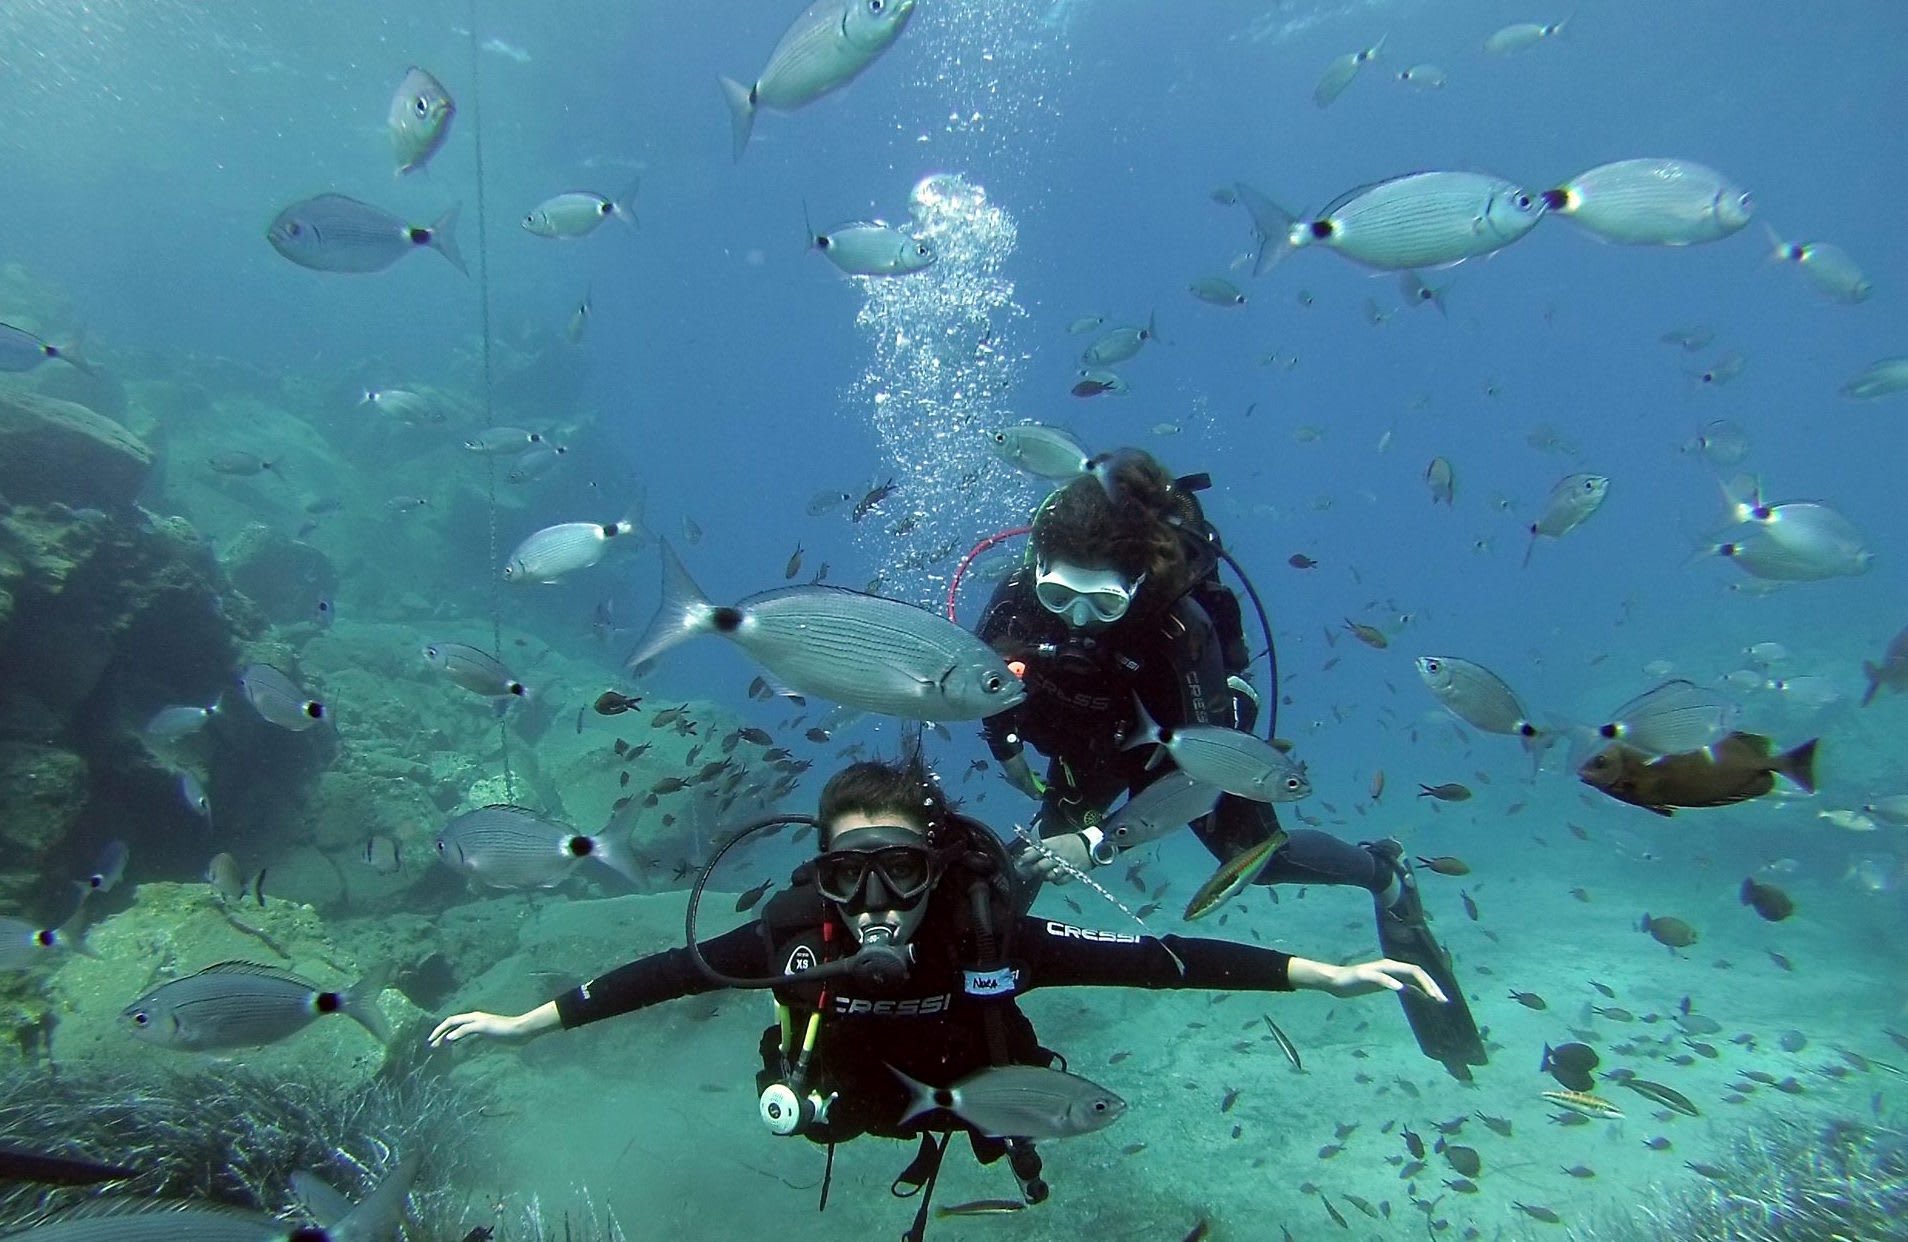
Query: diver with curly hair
point(1118, 606)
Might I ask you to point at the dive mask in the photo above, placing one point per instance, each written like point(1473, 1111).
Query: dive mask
point(881, 866)
point(1082, 595)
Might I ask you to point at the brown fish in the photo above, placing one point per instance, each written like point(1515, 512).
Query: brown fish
point(1769, 901)
point(1377, 784)
point(1369, 635)
point(1298, 560)
point(1740, 767)
point(794, 562)
point(1450, 791)
point(610, 703)
point(1670, 932)
point(1537, 1211)
point(1891, 672)
point(1470, 906)
point(1668, 1097)
point(1529, 1000)
point(1445, 864)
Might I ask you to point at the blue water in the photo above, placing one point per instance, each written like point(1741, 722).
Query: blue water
point(729, 374)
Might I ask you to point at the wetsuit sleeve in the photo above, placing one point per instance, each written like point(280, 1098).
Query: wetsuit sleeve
point(1188, 686)
point(997, 631)
point(663, 976)
point(1054, 954)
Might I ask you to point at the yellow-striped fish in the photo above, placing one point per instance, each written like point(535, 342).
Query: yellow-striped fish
point(1232, 876)
point(1585, 1103)
point(983, 1207)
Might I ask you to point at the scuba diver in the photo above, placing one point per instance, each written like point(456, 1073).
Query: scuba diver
point(896, 959)
point(1118, 605)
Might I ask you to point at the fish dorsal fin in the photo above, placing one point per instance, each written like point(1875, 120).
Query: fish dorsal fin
point(258, 969)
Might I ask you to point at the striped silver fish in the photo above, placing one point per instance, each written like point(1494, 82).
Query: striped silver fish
point(1169, 803)
point(831, 42)
point(20, 350)
point(562, 549)
point(475, 670)
point(871, 248)
point(1420, 220)
point(246, 1005)
point(1019, 1101)
point(333, 233)
point(879, 655)
point(1653, 202)
point(278, 699)
point(1230, 759)
point(512, 847)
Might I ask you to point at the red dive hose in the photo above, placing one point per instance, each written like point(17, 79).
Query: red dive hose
point(954, 583)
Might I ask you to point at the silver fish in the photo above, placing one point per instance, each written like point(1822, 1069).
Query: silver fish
point(831, 42)
point(579, 212)
point(1424, 77)
point(825, 501)
point(497, 441)
point(1653, 202)
point(1673, 718)
point(534, 463)
point(1339, 74)
point(1045, 452)
point(1574, 498)
point(1690, 339)
point(1018, 1101)
point(1879, 379)
point(474, 669)
point(1824, 265)
point(880, 655)
point(562, 549)
point(278, 699)
point(108, 871)
point(383, 855)
point(407, 504)
point(23, 945)
point(579, 324)
point(419, 120)
point(1421, 220)
point(1085, 324)
point(511, 847)
point(1417, 293)
point(1119, 344)
point(20, 350)
point(1522, 35)
point(1720, 442)
point(238, 463)
point(246, 1005)
point(1216, 291)
point(230, 883)
point(1442, 480)
point(333, 233)
point(1755, 552)
point(1168, 804)
point(1230, 759)
point(402, 403)
point(177, 722)
point(871, 248)
point(1479, 697)
point(193, 794)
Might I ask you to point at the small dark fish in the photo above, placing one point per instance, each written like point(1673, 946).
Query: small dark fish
point(1657, 1143)
point(1445, 864)
point(1369, 635)
point(868, 503)
point(611, 703)
point(1769, 901)
point(1570, 1065)
point(1500, 1126)
point(1781, 961)
point(1448, 792)
point(1329, 1150)
point(1707, 1170)
point(1464, 1159)
point(24, 1165)
point(747, 900)
point(1298, 560)
point(1672, 933)
point(1413, 1144)
point(1462, 1185)
point(1581, 1171)
point(1529, 1000)
point(1333, 1212)
point(1615, 1013)
point(1470, 907)
point(1537, 1211)
point(1609, 993)
point(1230, 1098)
point(794, 563)
point(819, 736)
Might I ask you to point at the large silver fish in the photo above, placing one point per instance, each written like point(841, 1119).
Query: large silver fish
point(475, 670)
point(333, 233)
point(1570, 504)
point(1339, 74)
point(1520, 36)
point(578, 213)
point(419, 120)
point(880, 655)
point(278, 699)
point(1479, 697)
point(1653, 202)
point(1420, 220)
point(1879, 379)
point(1018, 1101)
point(1829, 268)
point(871, 248)
point(512, 847)
point(20, 350)
point(23, 945)
point(1116, 345)
point(246, 1005)
point(1229, 759)
point(831, 42)
point(554, 551)
point(1168, 804)
point(1045, 452)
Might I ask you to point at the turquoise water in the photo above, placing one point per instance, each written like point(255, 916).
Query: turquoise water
point(1061, 159)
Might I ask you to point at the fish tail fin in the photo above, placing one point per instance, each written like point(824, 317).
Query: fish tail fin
point(810, 239)
point(71, 935)
point(1583, 740)
point(1537, 742)
point(1531, 546)
point(1273, 225)
point(377, 1216)
point(1799, 764)
point(625, 205)
point(361, 1001)
point(683, 613)
point(741, 101)
point(73, 353)
point(615, 857)
point(1146, 732)
point(1874, 674)
point(1743, 494)
point(1437, 298)
point(444, 237)
point(1779, 251)
point(920, 1095)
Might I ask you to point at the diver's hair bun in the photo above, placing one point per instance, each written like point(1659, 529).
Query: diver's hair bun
point(1130, 522)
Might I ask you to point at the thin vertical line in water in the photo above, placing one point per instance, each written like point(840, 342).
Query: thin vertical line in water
point(490, 463)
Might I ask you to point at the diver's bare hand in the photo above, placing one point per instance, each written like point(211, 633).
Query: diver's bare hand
point(464, 1025)
point(1363, 978)
point(1070, 848)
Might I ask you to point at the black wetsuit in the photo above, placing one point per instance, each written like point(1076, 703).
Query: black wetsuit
point(1079, 708)
point(929, 1026)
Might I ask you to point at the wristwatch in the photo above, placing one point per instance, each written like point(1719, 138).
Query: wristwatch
point(1099, 849)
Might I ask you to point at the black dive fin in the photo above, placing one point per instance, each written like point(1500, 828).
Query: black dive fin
point(1446, 1032)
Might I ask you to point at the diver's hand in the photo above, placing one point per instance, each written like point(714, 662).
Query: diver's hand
point(1071, 847)
point(464, 1025)
point(1021, 776)
point(1363, 978)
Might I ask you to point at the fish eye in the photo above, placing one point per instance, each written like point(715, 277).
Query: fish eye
point(141, 1018)
point(1293, 782)
point(1523, 202)
point(922, 251)
point(422, 105)
point(992, 683)
point(875, 6)
point(294, 228)
point(1433, 666)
